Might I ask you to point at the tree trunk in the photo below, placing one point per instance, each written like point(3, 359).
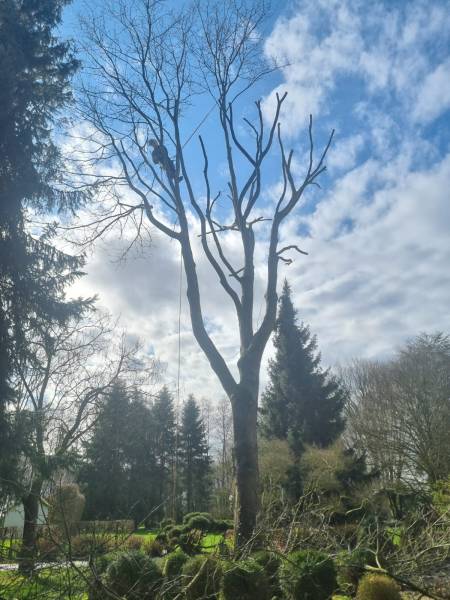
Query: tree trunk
point(27, 555)
point(245, 410)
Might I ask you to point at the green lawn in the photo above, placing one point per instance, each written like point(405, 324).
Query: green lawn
point(48, 584)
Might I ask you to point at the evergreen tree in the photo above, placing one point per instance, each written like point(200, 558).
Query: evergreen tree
point(35, 72)
point(302, 403)
point(141, 459)
point(105, 472)
point(163, 417)
point(194, 458)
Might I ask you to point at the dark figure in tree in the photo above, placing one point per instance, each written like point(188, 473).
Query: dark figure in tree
point(161, 157)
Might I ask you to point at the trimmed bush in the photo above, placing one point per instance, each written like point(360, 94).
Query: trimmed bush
point(351, 568)
point(377, 587)
point(200, 522)
point(191, 542)
point(308, 575)
point(165, 522)
point(244, 580)
point(221, 525)
point(202, 575)
point(271, 565)
point(134, 576)
point(174, 564)
point(188, 516)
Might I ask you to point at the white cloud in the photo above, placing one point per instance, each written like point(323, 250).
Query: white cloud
point(433, 97)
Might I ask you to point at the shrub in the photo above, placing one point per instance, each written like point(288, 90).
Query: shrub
point(244, 580)
point(377, 587)
point(271, 565)
point(351, 568)
point(154, 548)
point(66, 507)
point(165, 522)
point(134, 576)
point(85, 545)
point(202, 578)
point(188, 516)
point(48, 550)
point(221, 525)
point(308, 575)
point(133, 542)
point(174, 564)
point(173, 532)
point(200, 522)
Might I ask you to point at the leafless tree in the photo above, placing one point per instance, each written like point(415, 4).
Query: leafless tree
point(400, 411)
point(59, 386)
point(146, 69)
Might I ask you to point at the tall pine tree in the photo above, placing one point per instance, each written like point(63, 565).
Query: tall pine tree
point(35, 73)
point(163, 416)
point(104, 475)
point(194, 458)
point(303, 402)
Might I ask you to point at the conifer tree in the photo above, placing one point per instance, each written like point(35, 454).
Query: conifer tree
point(104, 473)
point(163, 417)
point(194, 458)
point(303, 402)
point(35, 72)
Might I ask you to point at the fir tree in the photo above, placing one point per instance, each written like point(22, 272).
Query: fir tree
point(163, 417)
point(35, 72)
point(302, 403)
point(104, 474)
point(194, 458)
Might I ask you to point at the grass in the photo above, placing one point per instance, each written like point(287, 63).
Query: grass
point(48, 584)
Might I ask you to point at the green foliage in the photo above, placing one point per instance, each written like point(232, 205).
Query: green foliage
point(441, 495)
point(245, 580)
point(271, 564)
point(166, 523)
point(202, 578)
point(200, 522)
point(351, 568)
point(194, 460)
point(377, 587)
point(308, 575)
point(303, 403)
point(134, 576)
point(173, 564)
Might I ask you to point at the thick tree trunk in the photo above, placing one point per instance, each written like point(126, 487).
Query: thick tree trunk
point(27, 554)
point(245, 410)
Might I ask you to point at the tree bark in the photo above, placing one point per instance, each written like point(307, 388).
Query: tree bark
point(27, 555)
point(245, 412)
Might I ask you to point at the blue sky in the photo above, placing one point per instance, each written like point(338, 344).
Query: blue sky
point(377, 232)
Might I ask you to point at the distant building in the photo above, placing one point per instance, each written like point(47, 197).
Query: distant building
point(14, 516)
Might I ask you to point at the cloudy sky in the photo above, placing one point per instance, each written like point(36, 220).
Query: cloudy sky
point(377, 233)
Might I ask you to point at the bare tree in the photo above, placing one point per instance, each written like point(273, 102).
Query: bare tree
point(146, 68)
point(400, 411)
point(59, 385)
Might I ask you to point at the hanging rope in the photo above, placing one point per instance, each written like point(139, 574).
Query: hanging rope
point(177, 407)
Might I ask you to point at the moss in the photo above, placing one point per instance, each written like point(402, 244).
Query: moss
point(308, 575)
point(245, 580)
point(377, 587)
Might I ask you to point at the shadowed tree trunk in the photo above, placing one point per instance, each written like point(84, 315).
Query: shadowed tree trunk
point(31, 503)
